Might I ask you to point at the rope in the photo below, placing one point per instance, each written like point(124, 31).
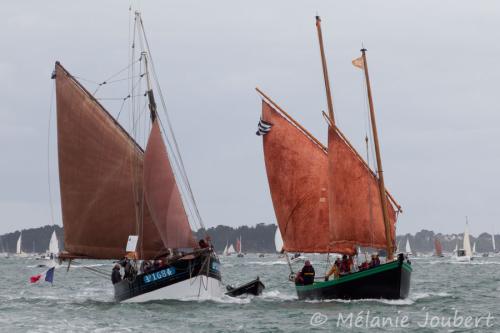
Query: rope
point(176, 152)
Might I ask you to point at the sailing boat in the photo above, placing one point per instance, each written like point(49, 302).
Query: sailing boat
point(113, 190)
point(465, 253)
point(438, 247)
point(238, 247)
point(408, 247)
point(278, 241)
point(474, 249)
point(224, 253)
point(53, 250)
point(328, 200)
point(230, 250)
point(19, 251)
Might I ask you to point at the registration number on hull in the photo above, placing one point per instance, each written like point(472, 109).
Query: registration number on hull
point(162, 274)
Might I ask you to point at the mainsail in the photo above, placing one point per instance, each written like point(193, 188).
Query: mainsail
point(298, 173)
point(297, 169)
point(163, 196)
point(355, 206)
point(100, 176)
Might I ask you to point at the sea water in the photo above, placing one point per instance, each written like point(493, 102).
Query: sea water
point(445, 296)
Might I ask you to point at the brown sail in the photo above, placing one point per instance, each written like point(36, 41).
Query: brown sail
point(100, 175)
point(163, 196)
point(438, 247)
point(355, 207)
point(297, 169)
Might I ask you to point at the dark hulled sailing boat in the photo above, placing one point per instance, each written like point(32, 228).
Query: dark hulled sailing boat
point(111, 189)
point(328, 200)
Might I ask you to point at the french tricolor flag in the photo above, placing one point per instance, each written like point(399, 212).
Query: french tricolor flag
point(49, 276)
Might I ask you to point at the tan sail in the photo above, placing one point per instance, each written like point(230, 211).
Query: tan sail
point(354, 201)
point(163, 196)
point(297, 174)
point(100, 175)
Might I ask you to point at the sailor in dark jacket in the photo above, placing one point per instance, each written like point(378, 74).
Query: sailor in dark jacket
point(306, 275)
point(115, 274)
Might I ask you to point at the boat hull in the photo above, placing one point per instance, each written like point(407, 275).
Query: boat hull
point(196, 278)
point(254, 287)
point(387, 281)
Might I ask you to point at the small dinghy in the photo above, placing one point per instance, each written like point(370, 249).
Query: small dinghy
point(254, 287)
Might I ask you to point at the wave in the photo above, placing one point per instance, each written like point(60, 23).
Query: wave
point(267, 263)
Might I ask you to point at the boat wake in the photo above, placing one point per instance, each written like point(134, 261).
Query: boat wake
point(267, 263)
point(412, 299)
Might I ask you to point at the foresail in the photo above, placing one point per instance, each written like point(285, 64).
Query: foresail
point(296, 168)
point(100, 176)
point(355, 207)
point(163, 196)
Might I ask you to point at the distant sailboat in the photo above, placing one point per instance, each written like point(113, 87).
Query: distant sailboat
point(19, 251)
point(327, 199)
point(474, 249)
point(278, 241)
point(239, 247)
point(408, 247)
point(465, 253)
point(53, 250)
point(231, 250)
point(438, 248)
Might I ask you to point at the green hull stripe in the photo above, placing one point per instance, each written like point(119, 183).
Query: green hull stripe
point(354, 276)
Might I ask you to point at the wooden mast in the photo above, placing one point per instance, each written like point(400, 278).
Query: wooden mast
point(390, 255)
point(325, 72)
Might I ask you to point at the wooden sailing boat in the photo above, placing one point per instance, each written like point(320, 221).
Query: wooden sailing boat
point(239, 250)
point(111, 189)
point(438, 248)
point(328, 200)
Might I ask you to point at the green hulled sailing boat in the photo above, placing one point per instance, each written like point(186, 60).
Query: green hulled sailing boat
point(328, 200)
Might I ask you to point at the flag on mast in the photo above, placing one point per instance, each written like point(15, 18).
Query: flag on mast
point(358, 62)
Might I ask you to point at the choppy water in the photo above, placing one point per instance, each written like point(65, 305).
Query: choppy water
point(82, 302)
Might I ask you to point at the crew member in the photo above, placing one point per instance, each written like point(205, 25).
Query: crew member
point(306, 275)
point(115, 274)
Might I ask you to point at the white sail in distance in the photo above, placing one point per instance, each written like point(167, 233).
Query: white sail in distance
point(278, 241)
point(467, 248)
point(18, 246)
point(54, 244)
point(408, 248)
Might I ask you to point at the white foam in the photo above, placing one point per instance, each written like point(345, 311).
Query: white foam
point(267, 263)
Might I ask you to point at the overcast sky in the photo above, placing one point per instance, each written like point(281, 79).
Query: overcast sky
point(433, 64)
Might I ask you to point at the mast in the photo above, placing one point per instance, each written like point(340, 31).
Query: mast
point(325, 71)
point(151, 97)
point(379, 161)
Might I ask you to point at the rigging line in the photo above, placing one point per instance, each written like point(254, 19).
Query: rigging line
point(112, 76)
point(48, 152)
point(84, 79)
point(183, 170)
